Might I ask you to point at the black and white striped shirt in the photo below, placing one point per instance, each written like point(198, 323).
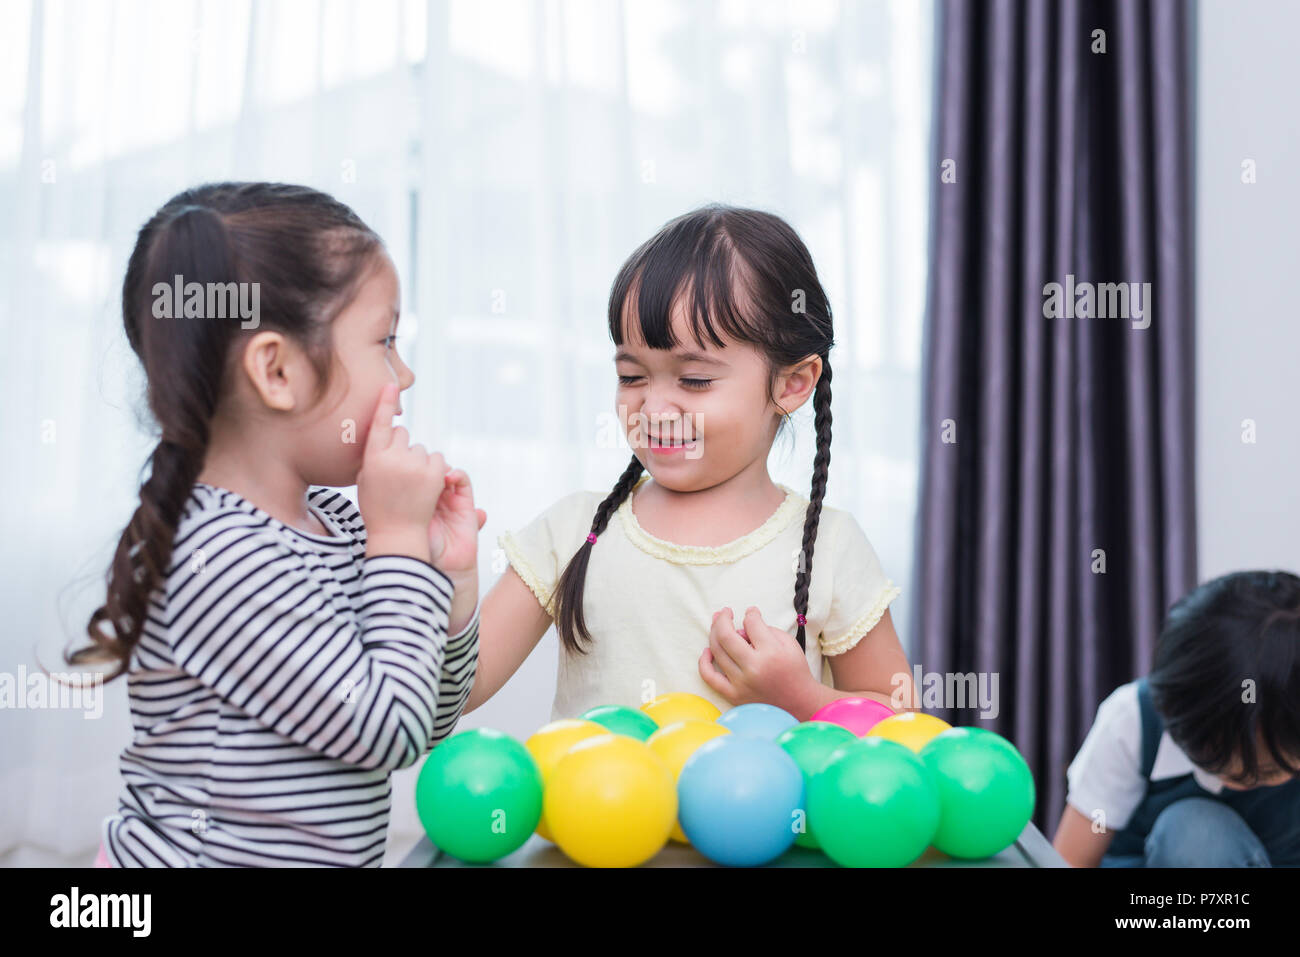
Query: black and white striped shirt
point(280, 679)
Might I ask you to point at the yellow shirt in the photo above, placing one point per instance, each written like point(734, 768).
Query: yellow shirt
point(648, 602)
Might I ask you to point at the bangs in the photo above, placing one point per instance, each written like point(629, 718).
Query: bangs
point(691, 263)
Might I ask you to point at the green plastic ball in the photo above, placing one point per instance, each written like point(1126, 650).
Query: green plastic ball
point(986, 792)
point(873, 805)
point(621, 720)
point(479, 795)
point(811, 744)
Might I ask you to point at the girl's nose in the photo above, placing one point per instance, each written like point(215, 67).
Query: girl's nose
point(661, 404)
point(405, 377)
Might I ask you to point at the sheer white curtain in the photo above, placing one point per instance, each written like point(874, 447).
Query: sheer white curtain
point(511, 154)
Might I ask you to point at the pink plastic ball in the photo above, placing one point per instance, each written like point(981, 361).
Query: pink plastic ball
point(859, 715)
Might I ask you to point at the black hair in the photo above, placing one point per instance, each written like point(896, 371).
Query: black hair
point(1227, 673)
point(306, 252)
point(746, 274)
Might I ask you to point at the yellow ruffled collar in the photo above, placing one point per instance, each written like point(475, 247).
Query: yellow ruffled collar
point(791, 508)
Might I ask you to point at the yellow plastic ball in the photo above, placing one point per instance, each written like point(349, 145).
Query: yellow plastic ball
point(912, 729)
point(610, 802)
point(680, 706)
point(678, 741)
point(552, 742)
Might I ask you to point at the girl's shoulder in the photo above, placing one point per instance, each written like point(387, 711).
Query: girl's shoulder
point(206, 502)
point(214, 516)
point(207, 505)
point(1121, 706)
point(575, 506)
point(843, 535)
point(211, 521)
point(539, 548)
point(567, 516)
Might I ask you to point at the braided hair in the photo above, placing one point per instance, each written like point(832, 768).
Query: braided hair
point(743, 273)
point(306, 252)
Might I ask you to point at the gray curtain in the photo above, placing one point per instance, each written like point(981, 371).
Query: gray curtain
point(1057, 510)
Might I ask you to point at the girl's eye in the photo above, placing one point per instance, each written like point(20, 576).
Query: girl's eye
point(389, 341)
point(688, 383)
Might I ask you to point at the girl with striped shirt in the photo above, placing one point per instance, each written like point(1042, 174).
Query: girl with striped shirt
point(285, 650)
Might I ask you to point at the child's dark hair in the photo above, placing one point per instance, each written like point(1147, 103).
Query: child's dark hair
point(307, 253)
point(747, 274)
point(1227, 669)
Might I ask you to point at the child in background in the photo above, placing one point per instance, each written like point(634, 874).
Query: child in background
point(285, 652)
point(722, 330)
point(1196, 764)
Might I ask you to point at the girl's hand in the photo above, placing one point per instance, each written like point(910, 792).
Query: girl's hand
point(757, 663)
point(453, 531)
point(398, 487)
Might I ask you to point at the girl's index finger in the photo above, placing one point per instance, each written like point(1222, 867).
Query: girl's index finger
point(381, 426)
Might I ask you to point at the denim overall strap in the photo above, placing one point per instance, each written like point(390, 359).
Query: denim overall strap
point(1159, 794)
point(1152, 728)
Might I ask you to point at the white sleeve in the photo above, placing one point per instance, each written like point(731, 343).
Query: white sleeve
point(1106, 774)
point(540, 550)
point(860, 589)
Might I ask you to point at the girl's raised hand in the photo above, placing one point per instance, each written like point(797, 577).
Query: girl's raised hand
point(453, 532)
point(398, 487)
point(757, 663)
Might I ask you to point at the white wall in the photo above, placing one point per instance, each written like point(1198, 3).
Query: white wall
point(1248, 268)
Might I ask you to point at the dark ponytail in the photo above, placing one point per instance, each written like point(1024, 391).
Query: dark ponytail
point(305, 251)
point(747, 274)
point(821, 466)
point(569, 621)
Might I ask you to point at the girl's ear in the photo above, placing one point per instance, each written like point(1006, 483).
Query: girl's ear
point(268, 363)
point(796, 383)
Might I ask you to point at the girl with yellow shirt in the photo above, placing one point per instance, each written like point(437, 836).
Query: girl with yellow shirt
point(705, 575)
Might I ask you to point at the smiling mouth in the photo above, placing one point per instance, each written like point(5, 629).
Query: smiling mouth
point(657, 442)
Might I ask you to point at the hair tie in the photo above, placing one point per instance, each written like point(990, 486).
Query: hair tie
point(186, 210)
point(802, 620)
point(591, 537)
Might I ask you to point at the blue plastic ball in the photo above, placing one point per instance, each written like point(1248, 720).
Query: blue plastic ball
point(737, 797)
point(758, 721)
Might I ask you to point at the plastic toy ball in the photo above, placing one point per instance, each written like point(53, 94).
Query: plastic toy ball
point(873, 805)
point(912, 729)
point(680, 706)
point(552, 742)
point(621, 720)
point(740, 798)
point(610, 802)
point(479, 795)
point(757, 720)
point(675, 743)
point(811, 745)
point(985, 789)
point(859, 715)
